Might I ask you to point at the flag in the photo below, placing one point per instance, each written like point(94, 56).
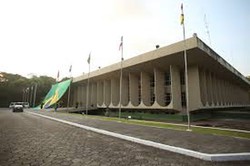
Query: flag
point(121, 45)
point(89, 58)
point(70, 68)
point(182, 15)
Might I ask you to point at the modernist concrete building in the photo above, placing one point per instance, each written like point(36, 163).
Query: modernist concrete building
point(155, 81)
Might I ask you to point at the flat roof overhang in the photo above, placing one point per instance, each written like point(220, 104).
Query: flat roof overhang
point(198, 53)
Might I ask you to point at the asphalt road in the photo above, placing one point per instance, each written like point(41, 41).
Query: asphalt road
point(31, 140)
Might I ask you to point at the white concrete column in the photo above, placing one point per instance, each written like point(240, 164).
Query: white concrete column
point(125, 90)
point(240, 98)
point(230, 93)
point(194, 88)
point(79, 94)
point(84, 93)
point(217, 90)
point(175, 88)
point(100, 93)
point(74, 96)
point(220, 92)
point(227, 92)
point(209, 89)
point(145, 88)
point(203, 87)
point(107, 92)
point(235, 94)
point(115, 91)
point(93, 101)
point(214, 89)
point(134, 89)
point(159, 87)
point(89, 94)
point(246, 97)
point(224, 93)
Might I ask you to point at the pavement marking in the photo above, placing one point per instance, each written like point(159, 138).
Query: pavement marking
point(187, 152)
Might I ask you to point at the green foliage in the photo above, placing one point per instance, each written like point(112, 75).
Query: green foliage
point(13, 86)
point(172, 126)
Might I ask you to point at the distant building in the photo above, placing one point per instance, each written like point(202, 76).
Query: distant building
point(155, 80)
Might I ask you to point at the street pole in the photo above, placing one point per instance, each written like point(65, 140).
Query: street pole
point(26, 94)
point(87, 102)
point(34, 99)
point(70, 75)
point(69, 94)
point(120, 105)
point(31, 91)
point(186, 69)
point(23, 98)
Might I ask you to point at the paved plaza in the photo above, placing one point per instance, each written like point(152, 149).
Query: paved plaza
point(27, 139)
point(194, 141)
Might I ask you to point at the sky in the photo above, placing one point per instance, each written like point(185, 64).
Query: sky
point(42, 37)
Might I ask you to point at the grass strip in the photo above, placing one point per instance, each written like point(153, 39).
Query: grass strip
point(179, 127)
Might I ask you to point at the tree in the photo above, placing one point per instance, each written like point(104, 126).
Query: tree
point(13, 87)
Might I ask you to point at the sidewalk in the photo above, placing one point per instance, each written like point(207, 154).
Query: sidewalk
point(198, 142)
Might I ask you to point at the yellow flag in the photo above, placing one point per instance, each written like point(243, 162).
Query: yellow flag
point(182, 19)
point(182, 15)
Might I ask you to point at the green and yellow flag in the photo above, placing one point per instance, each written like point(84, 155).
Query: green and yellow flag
point(55, 93)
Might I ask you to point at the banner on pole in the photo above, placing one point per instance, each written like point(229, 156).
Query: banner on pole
point(55, 93)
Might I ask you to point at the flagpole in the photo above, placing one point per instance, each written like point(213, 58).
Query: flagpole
point(58, 75)
point(70, 75)
point(34, 98)
point(31, 91)
point(69, 95)
point(120, 105)
point(186, 69)
point(87, 102)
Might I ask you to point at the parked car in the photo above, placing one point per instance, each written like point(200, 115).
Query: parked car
point(18, 107)
point(11, 105)
point(26, 105)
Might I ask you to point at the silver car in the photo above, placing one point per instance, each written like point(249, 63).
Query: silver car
point(18, 107)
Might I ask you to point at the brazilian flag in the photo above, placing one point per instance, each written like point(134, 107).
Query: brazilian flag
point(55, 93)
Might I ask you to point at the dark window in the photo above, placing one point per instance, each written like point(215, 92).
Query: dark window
point(182, 78)
point(167, 98)
point(183, 99)
point(152, 93)
point(152, 99)
point(167, 79)
point(152, 81)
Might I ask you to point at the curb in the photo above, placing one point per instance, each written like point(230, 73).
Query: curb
point(187, 152)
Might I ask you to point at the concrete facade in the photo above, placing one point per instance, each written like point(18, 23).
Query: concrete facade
point(155, 80)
